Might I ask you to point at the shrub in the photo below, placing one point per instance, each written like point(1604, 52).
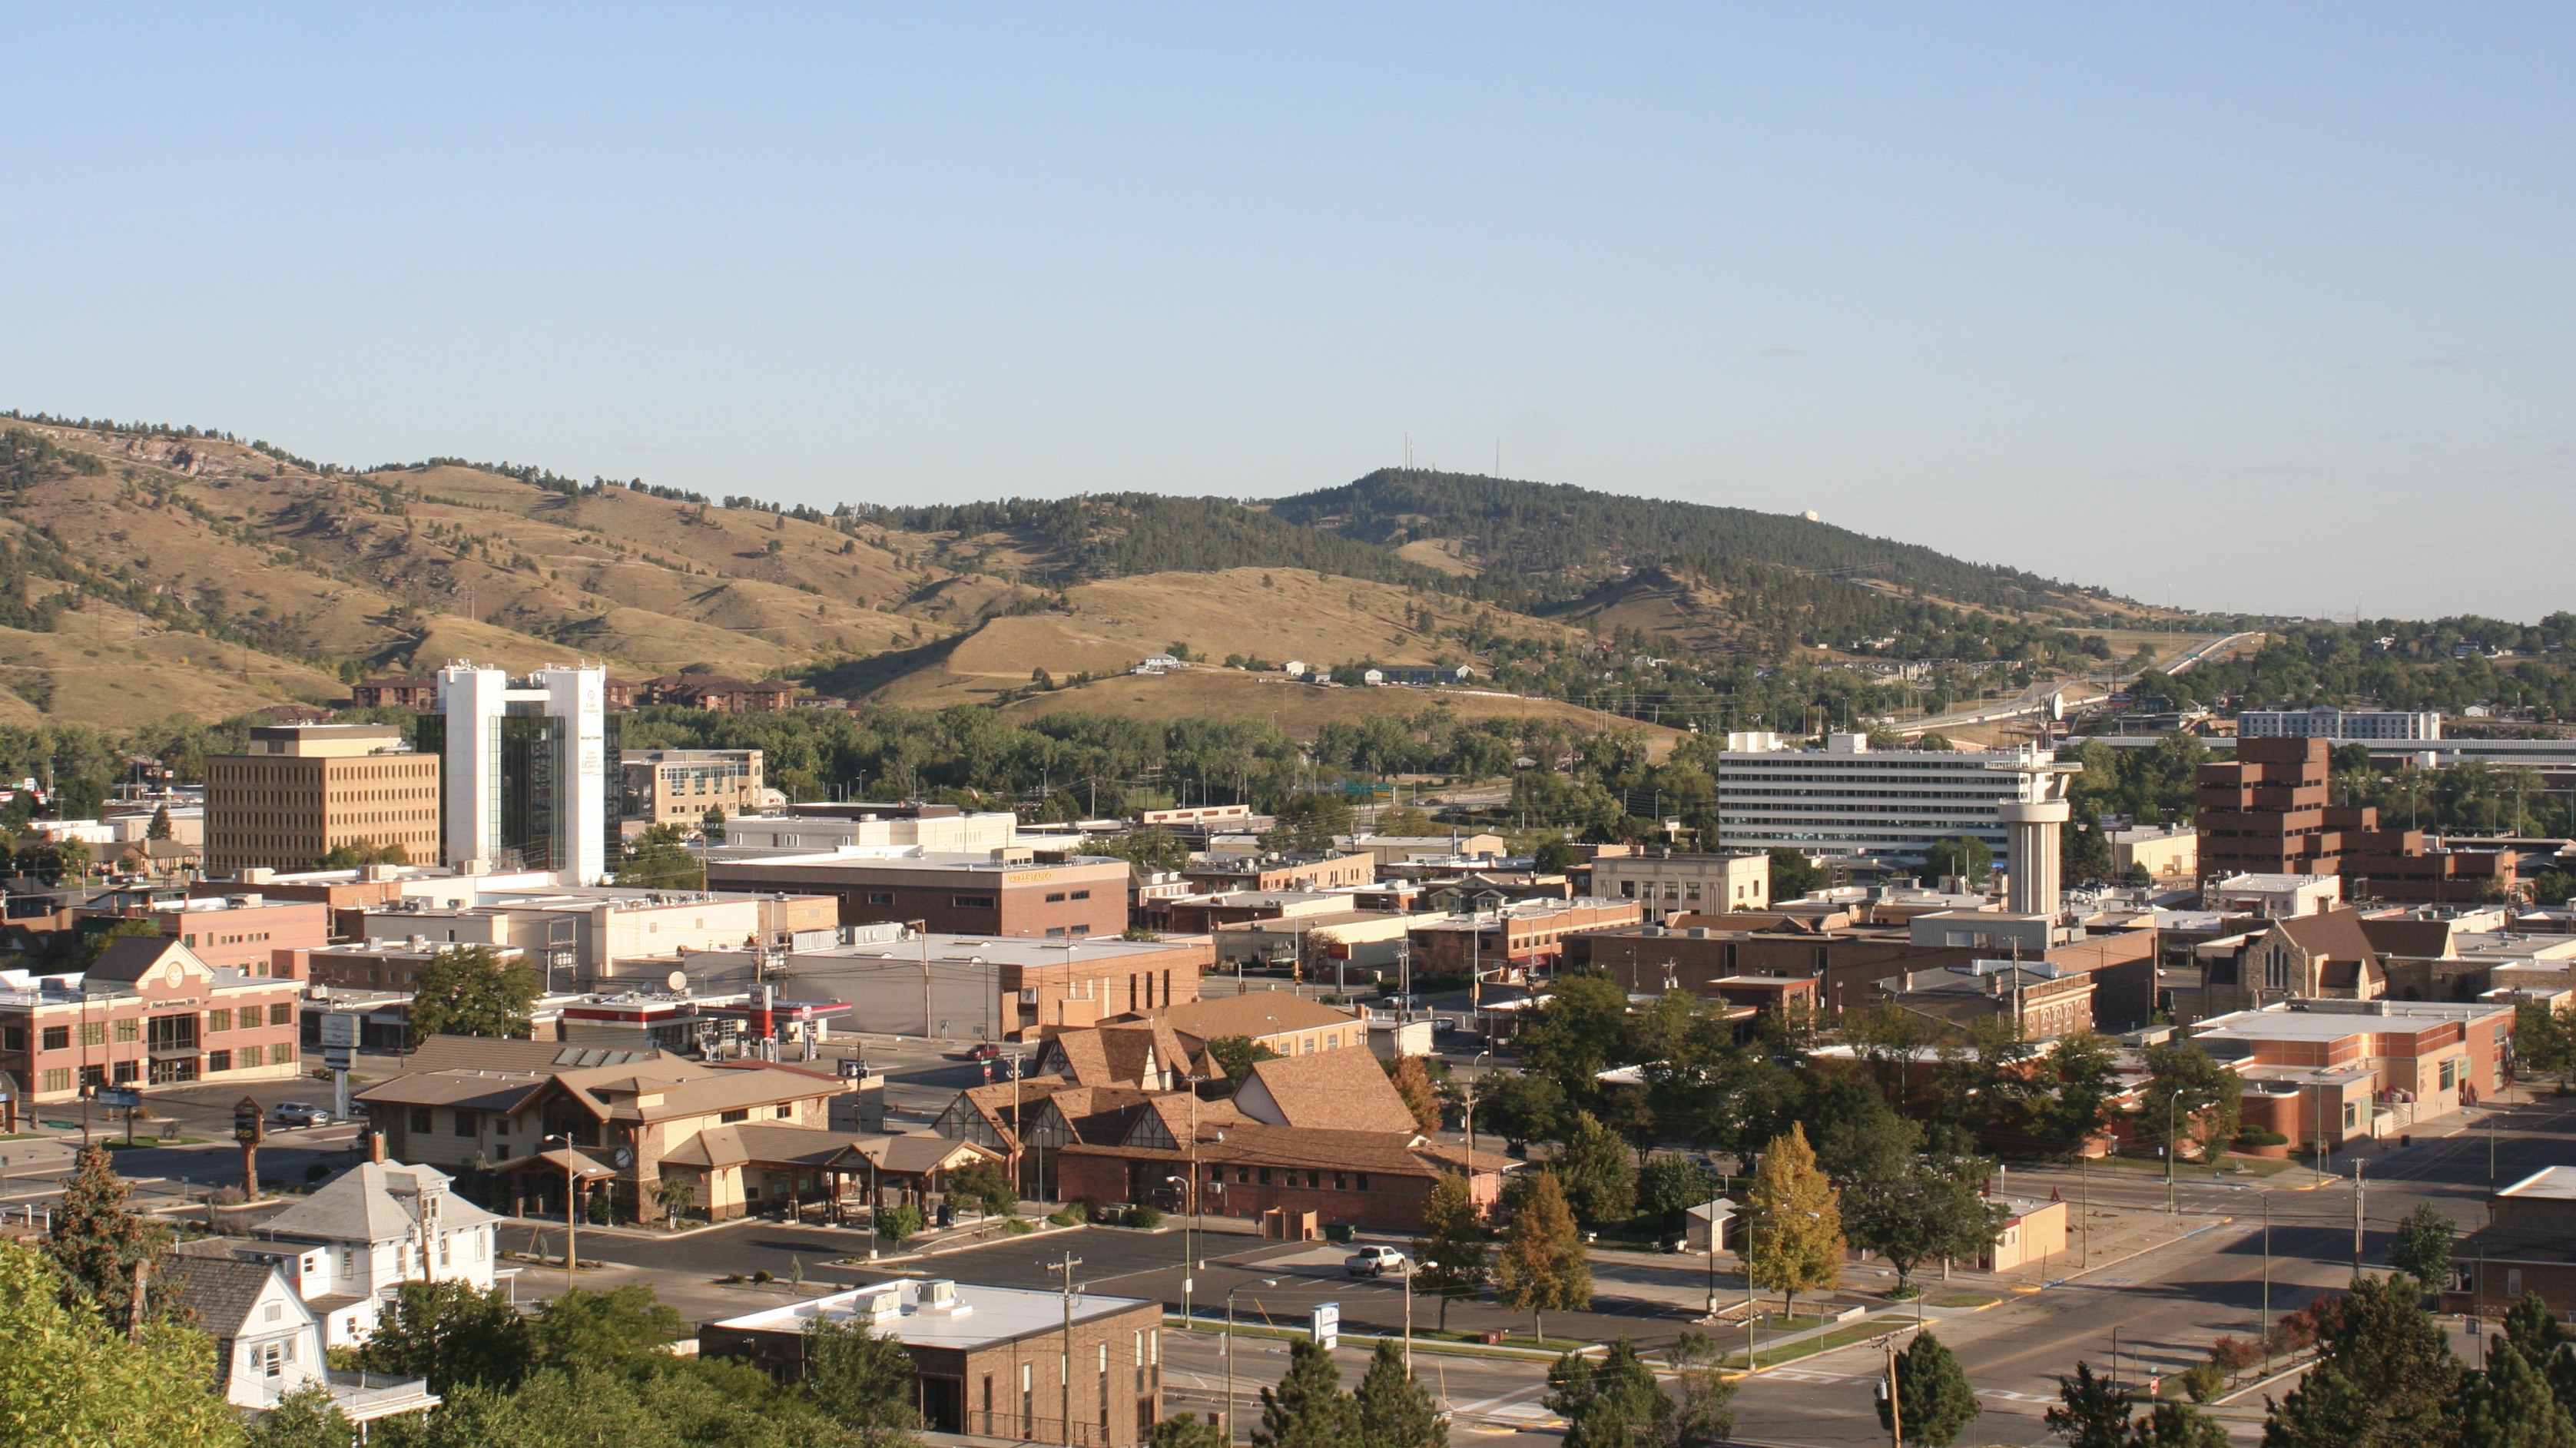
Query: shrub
point(2258, 1136)
point(2203, 1381)
point(899, 1222)
point(2233, 1355)
point(1144, 1218)
point(762, 1275)
point(316, 1171)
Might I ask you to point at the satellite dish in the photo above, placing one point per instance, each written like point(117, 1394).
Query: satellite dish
point(1810, 516)
point(677, 980)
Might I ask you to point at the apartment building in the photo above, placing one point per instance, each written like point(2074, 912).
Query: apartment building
point(679, 786)
point(716, 693)
point(1667, 884)
point(997, 1362)
point(149, 1013)
point(1848, 799)
point(302, 790)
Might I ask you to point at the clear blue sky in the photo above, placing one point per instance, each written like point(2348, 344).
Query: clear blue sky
point(2261, 307)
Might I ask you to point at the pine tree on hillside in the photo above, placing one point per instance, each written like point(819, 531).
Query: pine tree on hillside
point(1395, 1411)
point(97, 1242)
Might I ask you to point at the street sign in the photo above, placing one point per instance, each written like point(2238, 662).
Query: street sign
point(340, 1028)
point(119, 1096)
point(1327, 1325)
point(249, 1124)
point(339, 1058)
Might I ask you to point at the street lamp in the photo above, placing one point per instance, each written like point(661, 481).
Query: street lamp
point(1189, 1193)
point(1478, 1063)
point(2267, 1278)
point(1229, 1347)
point(1408, 1311)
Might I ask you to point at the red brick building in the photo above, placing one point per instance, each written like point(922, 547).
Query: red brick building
point(2266, 813)
point(246, 932)
point(149, 1013)
point(1529, 933)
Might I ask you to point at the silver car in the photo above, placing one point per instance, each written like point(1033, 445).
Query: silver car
point(298, 1113)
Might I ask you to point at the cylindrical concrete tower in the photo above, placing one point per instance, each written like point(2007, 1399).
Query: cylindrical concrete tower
point(2032, 887)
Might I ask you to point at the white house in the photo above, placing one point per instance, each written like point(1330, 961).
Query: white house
point(366, 1232)
point(1294, 668)
point(268, 1341)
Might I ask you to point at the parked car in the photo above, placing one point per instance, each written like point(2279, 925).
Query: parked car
point(298, 1113)
point(988, 1051)
point(1372, 1261)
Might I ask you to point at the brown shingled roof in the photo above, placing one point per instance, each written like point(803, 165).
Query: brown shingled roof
point(1257, 1013)
point(1342, 1090)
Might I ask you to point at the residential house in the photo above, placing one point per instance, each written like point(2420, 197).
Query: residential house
point(367, 1231)
point(268, 1341)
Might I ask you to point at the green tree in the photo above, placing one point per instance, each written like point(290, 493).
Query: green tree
point(1308, 821)
point(2537, 1333)
point(2082, 1078)
point(2188, 1089)
point(2511, 1404)
point(1308, 1409)
point(2545, 1040)
point(1576, 1032)
point(1919, 1213)
point(1186, 1430)
point(1933, 1392)
point(1793, 1240)
point(159, 829)
point(711, 825)
point(1521, 1108)
point(471, 990)
point(305, 1418)
point(1238, 1055)
point(2384, 1376)
point(1541, 1268)
point(856, 1378)
point(660, 859)
point(2177, 1425)
point(1616, 1404)
point(2090, 1411)
point(624, 1330)
point(68, 1378)
point(1960, 855)
point(675, 1195)
point(1452, 1259)
point(1703, 1419)
point(1670, 1186)
point(1594, 1168)
point(1791, 875)
point(1554, 856)
point(2422, 1249)
point(987, 1186)
point(94, 943)
point(450, 1334)
point(1394, 1410)
point(97, 1242)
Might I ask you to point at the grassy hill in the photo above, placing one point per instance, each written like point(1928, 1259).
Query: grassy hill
point(146, 571)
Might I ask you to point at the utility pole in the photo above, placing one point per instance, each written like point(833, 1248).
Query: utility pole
point(2267, 1278)
point(2356, 1217)
point(1064, 1400)
point(1895, 1409)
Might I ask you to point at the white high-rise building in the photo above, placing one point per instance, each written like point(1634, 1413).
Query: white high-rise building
point(1850, 799)
point(526, 769)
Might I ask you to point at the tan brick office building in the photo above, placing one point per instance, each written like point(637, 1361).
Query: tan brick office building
point(303, 789)
point(149, 1013)
point(1068, 897)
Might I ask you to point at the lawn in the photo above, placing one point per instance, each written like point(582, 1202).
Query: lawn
point(1810, 1346)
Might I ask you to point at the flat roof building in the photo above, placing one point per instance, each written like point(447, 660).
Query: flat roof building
point(300, 791)
point(1848, 799)
point(2324, 722)
point(1045, 895)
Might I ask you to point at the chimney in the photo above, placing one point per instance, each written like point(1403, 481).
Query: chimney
point(376, 1147)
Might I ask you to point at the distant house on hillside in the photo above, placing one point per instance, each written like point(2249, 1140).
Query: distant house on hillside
point(719, 693)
